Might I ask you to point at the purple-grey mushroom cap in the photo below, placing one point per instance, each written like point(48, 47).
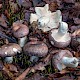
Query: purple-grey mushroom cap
point(36, 48)
point(57, 58)
point(10, 49)
point(20, 30)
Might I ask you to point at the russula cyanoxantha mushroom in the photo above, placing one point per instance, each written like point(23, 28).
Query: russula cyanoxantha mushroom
point(35, 49)
point(64, 59)
point(60, 37)
point(20, 31)
point(47, 20)
point(9, 50)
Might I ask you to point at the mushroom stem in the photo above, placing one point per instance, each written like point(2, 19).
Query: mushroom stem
point(34, 59)
point(63, 29)
point(8, 59)
point(70, 61)
point(22, 41)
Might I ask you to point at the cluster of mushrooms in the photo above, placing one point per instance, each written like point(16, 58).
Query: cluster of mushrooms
point(58, 36)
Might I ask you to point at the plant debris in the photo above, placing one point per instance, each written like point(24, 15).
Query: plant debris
point(45, 35)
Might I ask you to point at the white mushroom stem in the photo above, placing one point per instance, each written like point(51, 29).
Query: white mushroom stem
point(22, 41)
point(34, 59)
point(70, 61)
point(63, 29)
point(8, 59)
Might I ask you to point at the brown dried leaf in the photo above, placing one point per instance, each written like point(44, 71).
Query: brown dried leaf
point(64, 78)
point(65, 14)
point(77, 54)
point(7, 14)
point(36, 76)
point(76, 33)
point(74, 44)
point(26, 4)
point(78, 49)
point(76, 20)
point(69, 1)
point(13, 6)
point(23, 75)
point(3, 21)
point(6, 71)
point(73, 28)
point(1, 66)
point(0, 6)
point(53, 6)
point(11, 67)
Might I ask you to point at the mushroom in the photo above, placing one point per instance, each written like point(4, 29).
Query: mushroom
point(64, 59)
point(35, 49)
point(20, 31)
point(9, 50)
point(47, 20)
point(60, 37)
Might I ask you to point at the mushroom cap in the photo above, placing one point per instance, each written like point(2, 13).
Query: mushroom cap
point(10, 49)
point(64, 42)
point(20, 30)
point(36, 48)
point(57, 58)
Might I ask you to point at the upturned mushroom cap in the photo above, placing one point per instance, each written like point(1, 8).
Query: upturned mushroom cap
point(47, 20)
point(36, 48)
point(20, 30)
point(60, 37)
point(57, 59)
point(10, 49)
point(59, 44)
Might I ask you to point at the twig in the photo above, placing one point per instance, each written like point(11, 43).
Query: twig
point(23, 75)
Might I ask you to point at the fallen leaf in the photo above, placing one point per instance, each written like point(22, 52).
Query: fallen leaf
point(11, 67)
point(76, 33)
